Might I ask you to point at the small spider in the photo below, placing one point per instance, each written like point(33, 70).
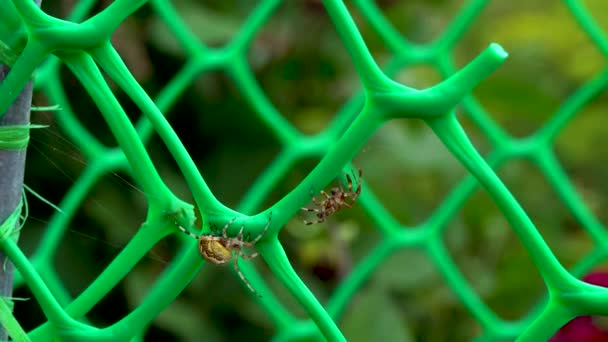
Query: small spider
point(221, 249)
point(335, 200)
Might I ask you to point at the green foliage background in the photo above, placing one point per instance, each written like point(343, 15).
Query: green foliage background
point(303, 68)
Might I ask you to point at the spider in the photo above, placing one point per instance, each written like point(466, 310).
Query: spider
point(221, 249)
point(335, 200)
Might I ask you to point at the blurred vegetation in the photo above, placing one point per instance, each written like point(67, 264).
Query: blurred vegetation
point(303, 68)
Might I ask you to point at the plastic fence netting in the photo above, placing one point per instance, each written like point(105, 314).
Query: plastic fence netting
point(36, 44)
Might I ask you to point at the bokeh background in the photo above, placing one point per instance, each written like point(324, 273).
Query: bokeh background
point(304, 69)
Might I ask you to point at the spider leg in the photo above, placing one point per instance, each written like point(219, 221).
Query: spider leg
point(314, 210)
point(349, 181)
point(359, 186)
point(212, 238)
point(357, 193)
point(308, 223)
point(249, 256)
point(346, 204)
point(239, 236)
point(228, 224)
point(242, 276)
point(262, 233)
point(318, 201)
point(318, 212)
point(352, 196)
point(187, 232)
point(322, 192)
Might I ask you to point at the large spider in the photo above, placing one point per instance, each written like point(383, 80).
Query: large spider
point(335, 200)
point(221, 249)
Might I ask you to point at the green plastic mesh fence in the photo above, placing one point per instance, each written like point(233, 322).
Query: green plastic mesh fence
point(35, 43)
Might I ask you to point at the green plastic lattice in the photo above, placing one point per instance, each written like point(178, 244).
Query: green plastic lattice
point(85, 48)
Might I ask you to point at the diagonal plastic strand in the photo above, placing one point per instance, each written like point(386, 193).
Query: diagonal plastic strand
point(267, 181)
point(169, 95)
point(87, 144)
point(456, 281)
point(114, 66)
point(392, 38)
point(29, 11)
point(275, 257)
point(386, 224)
point(369, 73)
point(329, 167)
point(87, 72)
point(458, 26)
point(571, 106)
point(81, 9)
point(188, 41)
point(554, 316)
point(267, 113)
point(253, 24)
point(559, 180)
point(9, 322)
point(488, 126)
point(397, 100)
point(585, 20)
point(347, 289)
point(108, 20)
point(49, 305)
point(21, 73)
point(278, 313)
point(451, 134)
point(346, 115)
point(460, 193)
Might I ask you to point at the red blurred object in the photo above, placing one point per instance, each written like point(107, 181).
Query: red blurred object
point(585, 328)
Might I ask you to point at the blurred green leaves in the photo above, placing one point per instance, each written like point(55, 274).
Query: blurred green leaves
point(211, 27)
point(12, 33)
point(373, 316)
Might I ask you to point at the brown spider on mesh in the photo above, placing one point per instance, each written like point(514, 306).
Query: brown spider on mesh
point(335, 200)
point(220, 250)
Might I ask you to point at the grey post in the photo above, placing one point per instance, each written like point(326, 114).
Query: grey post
point(12, 167)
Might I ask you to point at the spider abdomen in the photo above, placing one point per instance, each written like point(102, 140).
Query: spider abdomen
point(222, 249)
point(214, 251)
